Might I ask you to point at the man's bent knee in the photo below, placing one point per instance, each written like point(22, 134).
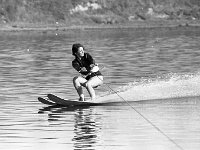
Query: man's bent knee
point(75, 79)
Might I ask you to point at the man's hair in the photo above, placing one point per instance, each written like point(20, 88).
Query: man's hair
point(75, 48)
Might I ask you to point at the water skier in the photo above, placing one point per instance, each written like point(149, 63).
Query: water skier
point(90, 76)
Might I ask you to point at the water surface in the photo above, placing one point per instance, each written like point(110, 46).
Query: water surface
point(156, 70)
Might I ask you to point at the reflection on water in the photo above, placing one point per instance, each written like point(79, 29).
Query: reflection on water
point(155, 63)
point(87, 124)
point(86, 129)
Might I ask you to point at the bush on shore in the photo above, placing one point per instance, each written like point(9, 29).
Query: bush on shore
point(77, 12)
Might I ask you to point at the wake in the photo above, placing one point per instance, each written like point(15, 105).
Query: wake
point(161, 87)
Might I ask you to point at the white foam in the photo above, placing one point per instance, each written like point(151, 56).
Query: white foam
point(168, 86)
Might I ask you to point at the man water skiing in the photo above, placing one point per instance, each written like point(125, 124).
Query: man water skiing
point(90, 77)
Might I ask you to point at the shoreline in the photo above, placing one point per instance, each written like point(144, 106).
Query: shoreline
point(23, 27)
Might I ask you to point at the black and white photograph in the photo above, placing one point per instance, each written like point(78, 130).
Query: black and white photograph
point(99, 74)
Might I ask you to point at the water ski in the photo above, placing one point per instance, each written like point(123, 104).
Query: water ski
point(45, 101)
point(67, 102)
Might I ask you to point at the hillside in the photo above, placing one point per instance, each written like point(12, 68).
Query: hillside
point(96, 12)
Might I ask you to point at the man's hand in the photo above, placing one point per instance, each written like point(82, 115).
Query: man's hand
point(95, 68)
point(83, 69)
point(92, 65)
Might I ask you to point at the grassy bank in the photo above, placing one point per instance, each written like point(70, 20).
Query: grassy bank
point(39, 14)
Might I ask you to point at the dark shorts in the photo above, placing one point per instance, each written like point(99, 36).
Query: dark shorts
point(98, 73)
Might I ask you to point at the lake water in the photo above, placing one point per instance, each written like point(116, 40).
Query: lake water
point(155, 71)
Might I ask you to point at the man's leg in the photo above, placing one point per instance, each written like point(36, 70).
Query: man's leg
point(93, 82)
point(78, 82)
